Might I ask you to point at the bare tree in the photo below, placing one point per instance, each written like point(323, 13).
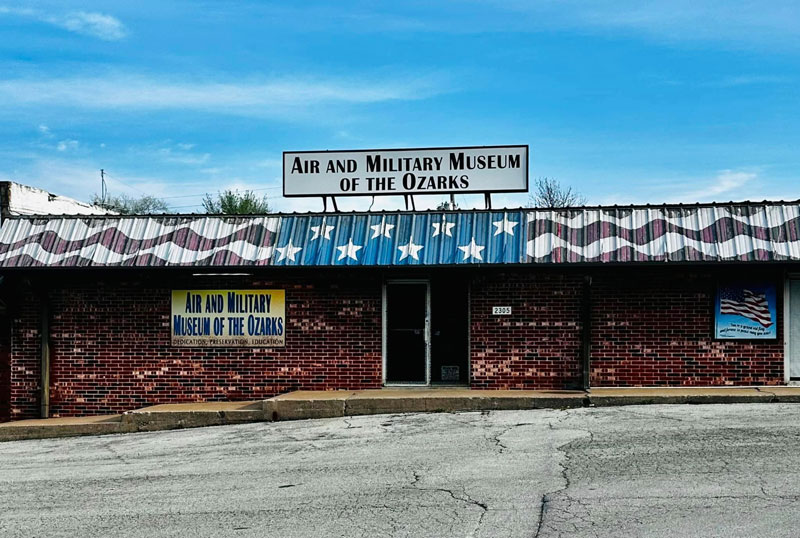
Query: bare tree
point(549, 193)
point(129, 205)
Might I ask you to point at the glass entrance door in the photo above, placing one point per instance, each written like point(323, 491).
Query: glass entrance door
point(407, 341)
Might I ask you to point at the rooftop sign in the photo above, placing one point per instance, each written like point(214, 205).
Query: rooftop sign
point(373, 172)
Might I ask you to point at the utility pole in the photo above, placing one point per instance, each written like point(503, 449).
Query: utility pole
point(102, 187)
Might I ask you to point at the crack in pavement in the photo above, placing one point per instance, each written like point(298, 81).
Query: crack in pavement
point(648, 415)
point(496, 438)
point(771, 393)
point(472, 501)
point(464, 497)
point(116, 454)
point(503, 448)
point(347, 421)
point(565, 466)
point(542, 510)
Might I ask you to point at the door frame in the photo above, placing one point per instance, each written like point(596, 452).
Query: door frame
point(787, 318)
point(385, 332)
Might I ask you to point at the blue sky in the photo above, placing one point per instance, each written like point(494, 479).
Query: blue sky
point(626, 101)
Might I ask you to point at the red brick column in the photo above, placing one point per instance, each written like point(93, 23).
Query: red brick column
point(25, 359)
point(538, 345)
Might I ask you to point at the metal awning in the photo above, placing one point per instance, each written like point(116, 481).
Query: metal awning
point(763, 231)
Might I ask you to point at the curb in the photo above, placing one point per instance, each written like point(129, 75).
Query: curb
point(300, 406)
point(277, 409)
point(615, 401)
point(48, 432)
point(144, 421)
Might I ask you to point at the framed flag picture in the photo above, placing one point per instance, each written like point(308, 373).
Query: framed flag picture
point(745, 312)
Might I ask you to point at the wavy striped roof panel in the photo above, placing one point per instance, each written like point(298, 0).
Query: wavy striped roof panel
point(764, 231)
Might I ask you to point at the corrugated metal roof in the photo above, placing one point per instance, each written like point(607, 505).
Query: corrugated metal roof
point(722, 232)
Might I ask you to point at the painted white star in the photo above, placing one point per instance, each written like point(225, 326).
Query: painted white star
point(322, 230)
point(381, 229)
point(443, 227)
point(409, 250)
point(472, 250)
point(504, 226)
point(287, 251)
point(348, 251)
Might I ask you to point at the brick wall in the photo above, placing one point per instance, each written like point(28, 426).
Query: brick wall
point(25, 357)
point(650, 327)
point(538, 345)
point(111, 346)
point(655, 327)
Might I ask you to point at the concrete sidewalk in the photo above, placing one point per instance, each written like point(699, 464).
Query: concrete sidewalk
point(312, 404)
point(692, 395)
point(59, 427)
point(157, 417)
point(327, 404)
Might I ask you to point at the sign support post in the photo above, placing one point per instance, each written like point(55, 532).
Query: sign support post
point(325, 204)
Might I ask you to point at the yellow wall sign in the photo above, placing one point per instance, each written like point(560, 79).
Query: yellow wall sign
point(216, 318)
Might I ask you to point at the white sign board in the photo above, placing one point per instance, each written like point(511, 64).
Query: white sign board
point(405, 171)
point(501, 310)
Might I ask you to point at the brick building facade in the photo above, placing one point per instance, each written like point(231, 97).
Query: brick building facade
point(108, 348)
point(110, 337)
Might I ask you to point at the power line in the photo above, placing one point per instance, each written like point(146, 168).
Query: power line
point(183, 206)
point(103, 174)
point(123, 183)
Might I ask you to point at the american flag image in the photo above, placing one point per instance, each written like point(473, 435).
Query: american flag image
point(744, 302)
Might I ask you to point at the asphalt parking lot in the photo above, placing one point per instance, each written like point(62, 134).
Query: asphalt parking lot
point(705, 470)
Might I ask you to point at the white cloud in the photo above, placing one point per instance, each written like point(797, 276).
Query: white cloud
point(741, 22)
point(725, 185)
point(18, 11)
point(45, 130)
point(167, 151)
point(274, 163)
point(182, 157)
point(727, 21)
point(727, 182)
point(137, 92)
point(68, 144)
point(80, 179)
point(93, 24)
point(749, 80)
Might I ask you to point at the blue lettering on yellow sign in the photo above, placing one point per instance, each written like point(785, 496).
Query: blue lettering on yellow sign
point(183, 326)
